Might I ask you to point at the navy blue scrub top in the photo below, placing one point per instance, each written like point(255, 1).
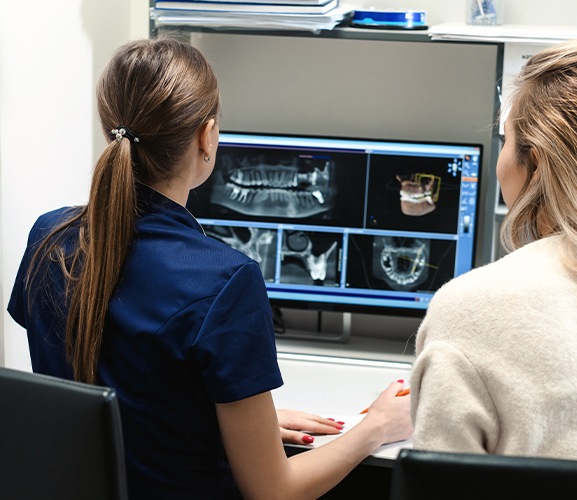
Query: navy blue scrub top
point(188, 326)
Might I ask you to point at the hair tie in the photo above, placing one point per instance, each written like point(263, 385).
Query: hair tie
point(122, 131)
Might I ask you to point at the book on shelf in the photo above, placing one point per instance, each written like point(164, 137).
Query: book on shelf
point(288, 7)
point(185, 4)
point(252, 20)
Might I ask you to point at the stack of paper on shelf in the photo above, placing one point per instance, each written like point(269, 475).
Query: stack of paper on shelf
point(254, 14)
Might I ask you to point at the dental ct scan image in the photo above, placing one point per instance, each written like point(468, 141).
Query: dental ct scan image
point(344, 224)
point(399, 263)
point(311, 257)
point(263, 183)
point(407, 195)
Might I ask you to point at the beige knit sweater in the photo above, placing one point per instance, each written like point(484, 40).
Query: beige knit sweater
point(496, 368)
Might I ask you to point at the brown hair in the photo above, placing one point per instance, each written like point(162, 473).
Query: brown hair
point(164, 91)
point(543, 116)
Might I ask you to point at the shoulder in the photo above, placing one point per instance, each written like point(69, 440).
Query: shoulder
point(49, 221)
point(217, 258)
point(224, 264)
point(230, 254)
point(493, 298)
point(175, 231)
point(521, 268)
point(57, 216)
point(189, 265)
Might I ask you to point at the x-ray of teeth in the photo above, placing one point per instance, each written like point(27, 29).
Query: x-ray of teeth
point(419, 193)
point(275, 185)
point(258, 244)
point(401, 262)
point(298, 248)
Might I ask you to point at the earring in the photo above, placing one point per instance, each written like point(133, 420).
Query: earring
point(206, 158)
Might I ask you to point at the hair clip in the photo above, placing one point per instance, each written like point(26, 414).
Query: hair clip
point(122, 131)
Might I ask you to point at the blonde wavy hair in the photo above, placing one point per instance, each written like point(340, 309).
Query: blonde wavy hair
point(543, 117)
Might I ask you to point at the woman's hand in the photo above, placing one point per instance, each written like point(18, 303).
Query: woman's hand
point(390, 414)
point(252, 439)
point(294, 426)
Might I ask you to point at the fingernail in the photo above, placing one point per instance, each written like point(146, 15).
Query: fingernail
point(331, 419)
point(341, 423)
point(401, 381)
point(308, 439)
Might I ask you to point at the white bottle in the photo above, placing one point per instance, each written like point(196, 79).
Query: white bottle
point(485, 12)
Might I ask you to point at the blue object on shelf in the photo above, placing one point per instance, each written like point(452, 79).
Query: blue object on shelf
point(390, 19)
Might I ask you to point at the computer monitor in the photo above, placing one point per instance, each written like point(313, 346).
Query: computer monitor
point(345, 224)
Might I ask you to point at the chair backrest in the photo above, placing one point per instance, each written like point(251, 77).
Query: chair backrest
point(59, 440)
point(419, 475)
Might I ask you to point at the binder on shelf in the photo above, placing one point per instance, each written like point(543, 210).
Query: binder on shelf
point(186, 4)
point(185, 8)
point(273, 15)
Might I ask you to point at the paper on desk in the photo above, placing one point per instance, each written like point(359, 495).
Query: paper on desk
point(387, 451)
point(504, 33)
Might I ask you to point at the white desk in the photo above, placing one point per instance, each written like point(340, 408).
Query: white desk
point(338, 387)
point(328, 385)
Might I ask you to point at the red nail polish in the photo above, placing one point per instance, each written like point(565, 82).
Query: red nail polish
point(401, 381)
point(331, 419)
point(308, 439)
point(341, 423)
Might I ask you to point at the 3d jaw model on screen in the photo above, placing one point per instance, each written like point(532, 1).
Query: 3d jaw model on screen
point(297, 244)
point(419, 193)
point(290, 188)
point(402, 263)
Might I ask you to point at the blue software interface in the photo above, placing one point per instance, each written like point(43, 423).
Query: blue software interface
point(345, 224)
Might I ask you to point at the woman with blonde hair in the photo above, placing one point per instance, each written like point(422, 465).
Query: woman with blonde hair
point(496, 367)
point(128, 292)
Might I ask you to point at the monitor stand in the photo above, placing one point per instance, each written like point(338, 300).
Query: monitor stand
point(327, 327)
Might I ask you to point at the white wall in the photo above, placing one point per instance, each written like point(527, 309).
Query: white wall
point(51, 54)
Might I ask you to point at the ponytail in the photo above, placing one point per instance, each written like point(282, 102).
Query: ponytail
point(110, 217)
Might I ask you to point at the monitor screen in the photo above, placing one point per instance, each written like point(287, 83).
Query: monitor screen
point(345, 224)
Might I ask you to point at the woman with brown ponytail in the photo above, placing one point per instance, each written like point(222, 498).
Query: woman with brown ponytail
point(128, 292)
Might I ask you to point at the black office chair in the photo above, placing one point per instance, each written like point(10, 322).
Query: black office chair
point(59, 440)
point(419, 475)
